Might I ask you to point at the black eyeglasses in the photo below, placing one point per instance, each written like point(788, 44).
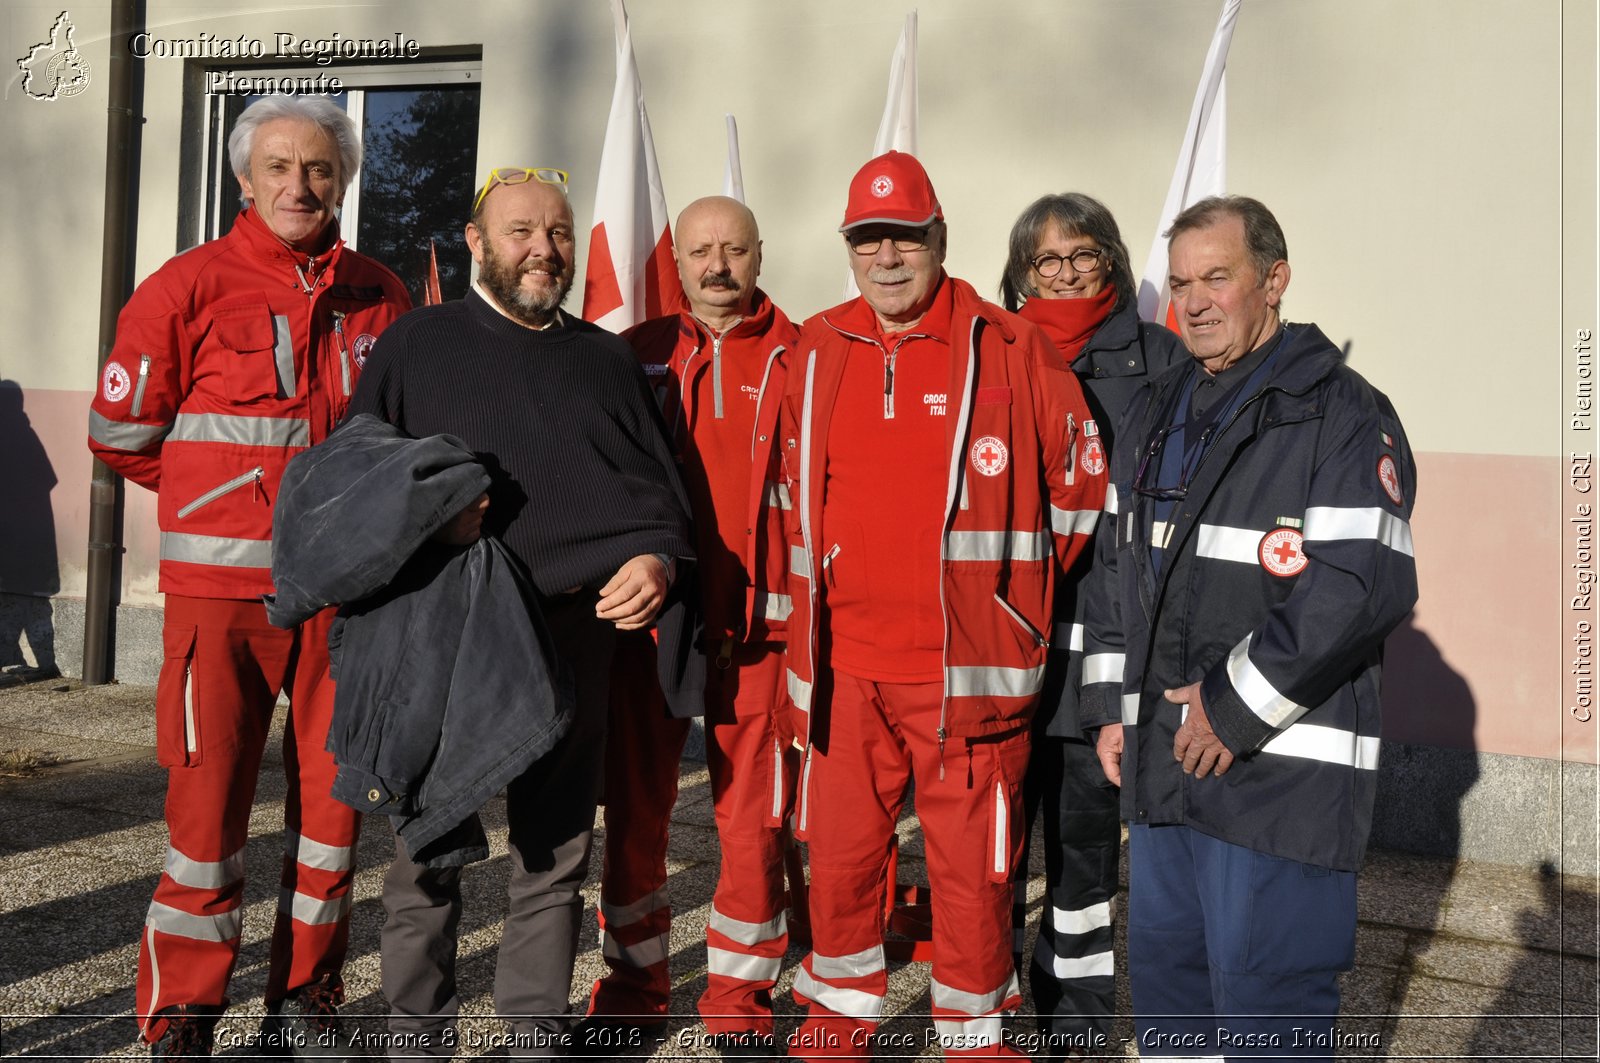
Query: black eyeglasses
point(1083, 261)
point(1150, 465)
point(868, 243)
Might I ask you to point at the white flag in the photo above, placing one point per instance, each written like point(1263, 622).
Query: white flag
point(733, 175)
point(1202, 161)
point(630, 275)
point(897, 130)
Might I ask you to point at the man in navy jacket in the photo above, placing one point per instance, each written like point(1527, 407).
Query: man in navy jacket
point(1260, 553)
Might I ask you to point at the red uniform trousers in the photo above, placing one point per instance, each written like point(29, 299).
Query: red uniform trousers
point(879, 737)
point(643, 747)
point(224, 667)
point(752, 769)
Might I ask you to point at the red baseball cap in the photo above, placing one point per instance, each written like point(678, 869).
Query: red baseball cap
point(892, 189)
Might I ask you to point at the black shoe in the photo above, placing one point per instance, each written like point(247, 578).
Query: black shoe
point(187, 1036)
point(305, 1025)
point(612, 1036)
point(746, 1044)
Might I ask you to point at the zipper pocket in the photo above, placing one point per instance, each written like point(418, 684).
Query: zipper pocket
point(805, 792)
point(191, 740)
point(1038, 639)
point(1072, 450)
point(253, 476)
point(138, 389)
point(344, 354)
point(827, 562)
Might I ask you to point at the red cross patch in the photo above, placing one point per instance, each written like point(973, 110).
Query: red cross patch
point(1282, 552)
point(989, 456)
point(362, 348)
point(116, 383)
point(1389, 477)
point(1093, 458)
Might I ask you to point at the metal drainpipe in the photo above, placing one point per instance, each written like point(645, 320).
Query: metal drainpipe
point(104, 528)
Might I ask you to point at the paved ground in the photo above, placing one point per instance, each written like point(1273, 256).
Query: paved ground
point(1455, 960)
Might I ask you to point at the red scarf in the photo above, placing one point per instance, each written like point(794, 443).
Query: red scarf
point(1070, 322)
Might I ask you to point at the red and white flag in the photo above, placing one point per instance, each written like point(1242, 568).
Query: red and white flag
point(897, 129)
point(1201, 169)
point(430, 288)
point(733, 174)
point(630, 274)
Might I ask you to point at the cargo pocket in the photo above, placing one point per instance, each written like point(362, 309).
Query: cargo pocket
point(250, 358)
point(177, 700)
point(1003, 800)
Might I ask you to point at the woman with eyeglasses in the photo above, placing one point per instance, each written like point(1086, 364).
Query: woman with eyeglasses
point(1067, 272)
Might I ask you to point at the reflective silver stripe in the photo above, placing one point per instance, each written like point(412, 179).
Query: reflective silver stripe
point(799, 692)
point(749, 933)
point(1067, 636)
point(777, 778)
point(777, 494)
point(1111, 499)
point(312, 853)
point(1256, 691)
point(244, 431)
point(1333, 745)
point(856, 965)
point(1130, 709)
point(204, 874)
point(974, 1003)
point(1000, 829)
point(626, 914)
point(646, 953)
point(313, 911)
point(978, 681)
point(851, 1002)
point(224, 926)
point(960, 1035)
point(742, 967)
point(1221, 543)
point(799, 562)
point(283, 354)
point(805, 791)
point(1080, 920)
point(216, 550)
point(1098, 965)
point(1073, 521)
point(120, 435)
point(1103, 668)
point(1160, 534)
point(996, 545)
point(773, 606)
point(1331, 522)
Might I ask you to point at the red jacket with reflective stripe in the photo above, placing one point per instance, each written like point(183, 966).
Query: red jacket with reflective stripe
point(674, 351)
point(224, 368)
point(1019, 507)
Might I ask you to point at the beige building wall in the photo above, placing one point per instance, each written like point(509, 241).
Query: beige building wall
point(1431, 161)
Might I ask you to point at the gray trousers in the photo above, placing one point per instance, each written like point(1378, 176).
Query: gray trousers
point(550, 813)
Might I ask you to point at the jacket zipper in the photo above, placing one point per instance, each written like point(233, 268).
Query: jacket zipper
point(1072, 450)
point(1020, 619)
point(138, 389)
point(716, 377)
point(344, 354)
point(253, 476)
point(957, 473)
point(761, 397)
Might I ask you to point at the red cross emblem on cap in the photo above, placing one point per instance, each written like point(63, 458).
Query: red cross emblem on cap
point(882, 186)
point(989, 456)
point(1282, 552)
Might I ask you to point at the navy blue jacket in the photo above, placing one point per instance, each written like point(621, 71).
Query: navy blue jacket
point(446, 690)
point(1289, 560)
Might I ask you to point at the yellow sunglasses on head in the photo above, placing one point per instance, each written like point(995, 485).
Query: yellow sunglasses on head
point(520, 175)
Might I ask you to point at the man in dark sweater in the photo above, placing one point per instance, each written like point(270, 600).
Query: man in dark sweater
point(584, 493)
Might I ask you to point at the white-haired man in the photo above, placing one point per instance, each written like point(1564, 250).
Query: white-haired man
point(229, 360)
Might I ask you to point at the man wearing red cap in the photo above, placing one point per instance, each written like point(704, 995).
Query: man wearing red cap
point(717, 372)
point(930, 440)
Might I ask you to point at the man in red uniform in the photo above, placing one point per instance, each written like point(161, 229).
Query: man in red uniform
point(717, 370)
point(929, 440)
point(229, 360)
